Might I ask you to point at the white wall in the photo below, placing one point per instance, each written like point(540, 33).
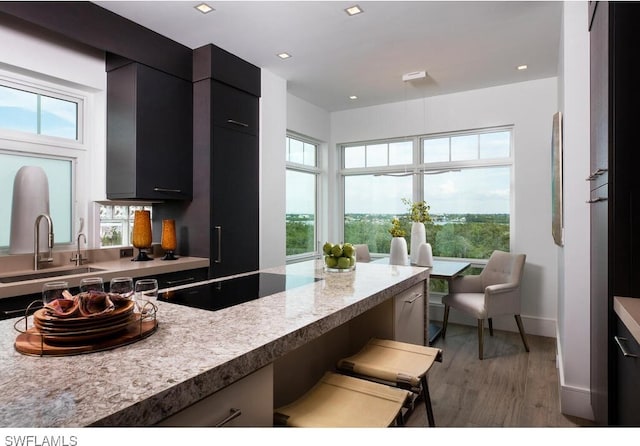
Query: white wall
point(573, 257)
point(529, 107)
point(308, 119)
point(273, 124)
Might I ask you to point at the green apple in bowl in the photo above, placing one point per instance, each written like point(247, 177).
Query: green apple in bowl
point(339, 256)
point(331, 261)
point(348, 250)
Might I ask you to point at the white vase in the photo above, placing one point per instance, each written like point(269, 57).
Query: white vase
point(418, 237)
point(30, 199)
point(425, 255)
point(398, 254)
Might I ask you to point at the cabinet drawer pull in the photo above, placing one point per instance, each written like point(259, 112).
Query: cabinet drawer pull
point(596, 174)
point(597, 200)
point(413, 298)
point(179, 281)
point(234, 122)
point(219, 231)
point(233, 413)
point(619, 341)
point(162, 189)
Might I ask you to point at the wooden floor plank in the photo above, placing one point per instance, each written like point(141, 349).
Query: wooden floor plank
point(509, 388)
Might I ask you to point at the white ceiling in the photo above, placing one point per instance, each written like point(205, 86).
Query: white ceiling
point(461, 45)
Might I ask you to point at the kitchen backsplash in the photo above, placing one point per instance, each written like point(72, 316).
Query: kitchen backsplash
point(24, 262)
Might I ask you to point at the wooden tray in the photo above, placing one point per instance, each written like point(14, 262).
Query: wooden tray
point(34, 342)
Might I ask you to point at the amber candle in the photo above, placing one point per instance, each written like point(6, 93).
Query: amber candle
point(141, 237)
point(168, 241)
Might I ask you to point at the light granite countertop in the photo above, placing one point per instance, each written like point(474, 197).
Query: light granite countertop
point(108, 269)
point(628, 309)
point(192, 354)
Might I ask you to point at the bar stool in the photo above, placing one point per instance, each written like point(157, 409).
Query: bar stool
point(344, 401)
point(395, 363)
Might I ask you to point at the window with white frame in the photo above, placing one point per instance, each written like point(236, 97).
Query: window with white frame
point(40, 126)
point(465, 178)
point(301, 196)
point(30, 110)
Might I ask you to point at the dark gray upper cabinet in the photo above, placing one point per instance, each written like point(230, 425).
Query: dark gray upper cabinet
point(234, 109)
point(149, 133)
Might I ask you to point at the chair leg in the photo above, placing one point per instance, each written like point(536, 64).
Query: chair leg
point(522, 333)
point(480, 337)
point(490, 327)
point(445, 320)
point(427, 401)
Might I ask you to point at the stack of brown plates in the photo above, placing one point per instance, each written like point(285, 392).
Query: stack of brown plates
point(83, 330)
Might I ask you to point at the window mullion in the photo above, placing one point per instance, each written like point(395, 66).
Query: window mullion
point(38, 114)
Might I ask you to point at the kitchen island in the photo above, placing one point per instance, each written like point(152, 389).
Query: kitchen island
point(193, 354)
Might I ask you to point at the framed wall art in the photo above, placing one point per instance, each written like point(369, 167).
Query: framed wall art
point(556, 180)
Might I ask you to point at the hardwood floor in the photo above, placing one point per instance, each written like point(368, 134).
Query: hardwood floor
point(509, 388)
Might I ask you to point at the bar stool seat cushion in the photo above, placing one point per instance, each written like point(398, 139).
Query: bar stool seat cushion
point(343, 401)
point(392, 361)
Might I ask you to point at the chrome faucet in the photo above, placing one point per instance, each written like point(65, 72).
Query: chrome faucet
point(78, 257)
point(36, 242)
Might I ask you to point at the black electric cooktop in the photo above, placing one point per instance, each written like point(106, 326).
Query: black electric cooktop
point(229, 292)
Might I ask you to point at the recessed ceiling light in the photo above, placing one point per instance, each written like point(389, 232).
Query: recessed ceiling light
point(353, 10)
point(522, 67)
point(353, 97)
point(204, 8)
point(284, 55)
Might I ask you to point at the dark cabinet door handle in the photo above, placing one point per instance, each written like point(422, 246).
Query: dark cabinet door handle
point(233, 414)
point(597, 200)
point(219, 231)
point(599, 171)
point(623, 349)
point(234, 122)
point(176, 282)
point(161, 189)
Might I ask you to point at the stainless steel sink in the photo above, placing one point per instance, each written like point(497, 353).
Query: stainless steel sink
point(46, 274)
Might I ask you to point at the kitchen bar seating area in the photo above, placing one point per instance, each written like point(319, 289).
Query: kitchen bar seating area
point(302, 332)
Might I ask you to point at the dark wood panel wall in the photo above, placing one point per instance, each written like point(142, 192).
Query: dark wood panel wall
point(92, 25)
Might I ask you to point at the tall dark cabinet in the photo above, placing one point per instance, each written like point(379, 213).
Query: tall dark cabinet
point(149, 132)
point(222, 221)
point(615, 190)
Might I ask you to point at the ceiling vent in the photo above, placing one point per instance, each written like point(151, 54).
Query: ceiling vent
point(414, 75)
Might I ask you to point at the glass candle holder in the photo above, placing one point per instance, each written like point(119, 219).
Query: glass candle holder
point(168, 241)
point(141, 237)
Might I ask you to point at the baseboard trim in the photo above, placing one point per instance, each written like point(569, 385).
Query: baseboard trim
point(532, 325)
point(574, 401)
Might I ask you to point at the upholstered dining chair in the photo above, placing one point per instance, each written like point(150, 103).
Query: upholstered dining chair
point(493, 292)
point(362, 253)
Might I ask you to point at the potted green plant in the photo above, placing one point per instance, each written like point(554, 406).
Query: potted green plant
point(398, 253)
point(418, 210)
point(419, 215)
point(396, 229)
